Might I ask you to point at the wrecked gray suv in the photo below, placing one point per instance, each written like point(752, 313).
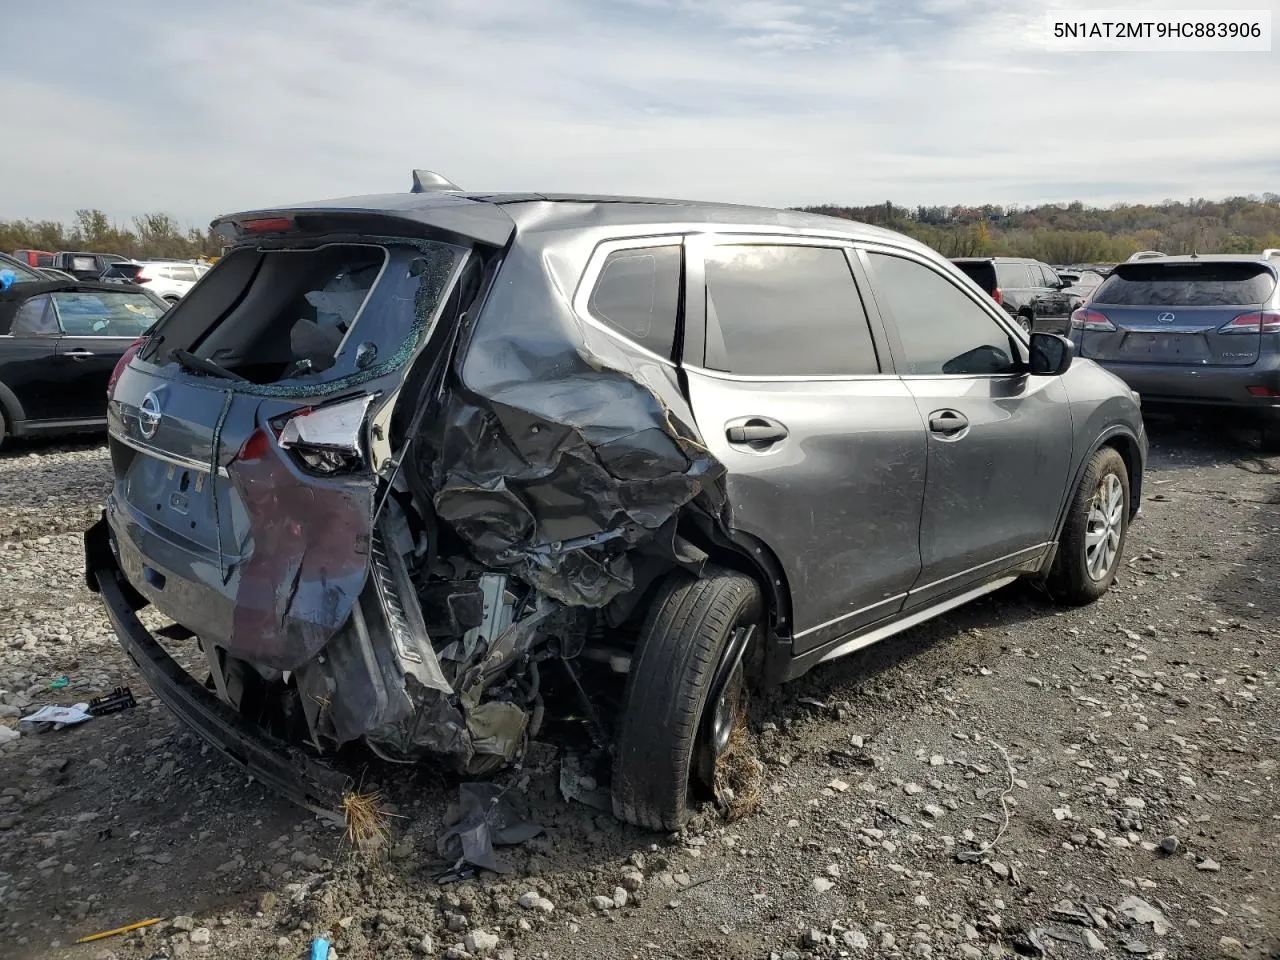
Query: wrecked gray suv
point(402, 470)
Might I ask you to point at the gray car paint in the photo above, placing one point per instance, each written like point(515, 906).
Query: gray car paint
point(621, 440)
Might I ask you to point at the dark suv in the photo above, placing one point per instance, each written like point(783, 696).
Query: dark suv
point(415, 470)
point(1197, 330)
point(1031, 292)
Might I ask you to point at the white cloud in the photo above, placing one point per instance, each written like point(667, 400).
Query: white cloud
point(760, 102)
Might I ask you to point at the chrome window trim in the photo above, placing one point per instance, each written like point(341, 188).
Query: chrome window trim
point(788, 378)
point(591, 276)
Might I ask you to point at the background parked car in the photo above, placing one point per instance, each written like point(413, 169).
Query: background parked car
point(1031, 292)
point(84, 265)
point(171, 279)
point(59, 342)
point(35, 258)
point(1083, 282)
point(1201, 330)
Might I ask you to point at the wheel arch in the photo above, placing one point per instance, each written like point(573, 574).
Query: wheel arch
point(1120, 438)
point(11, 406)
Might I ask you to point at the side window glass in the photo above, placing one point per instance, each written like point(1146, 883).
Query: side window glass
point(34, 319)
point(185, 274)
point(1050, 276)
point(781, 310)
point(638, 294)
point(942, 331)
point(1012, 276)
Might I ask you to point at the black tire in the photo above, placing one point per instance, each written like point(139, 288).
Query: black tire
point(1025, 322)
point(171, 298)
point(1269, 435)
point(1073, 579)
point(682, 641)
point(4, 427)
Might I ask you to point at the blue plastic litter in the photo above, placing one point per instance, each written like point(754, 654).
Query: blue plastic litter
point(7, 277)
point(319, 949)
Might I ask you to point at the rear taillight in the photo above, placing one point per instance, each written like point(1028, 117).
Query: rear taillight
point(1270, 392)
point(123, 362)
point(1260, 321)
point(141, 279)
point(326, 439)
point(1086, 319)
point(997, 295)
point(266, 225)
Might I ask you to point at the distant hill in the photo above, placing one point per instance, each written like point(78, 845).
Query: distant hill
point(1075, 233)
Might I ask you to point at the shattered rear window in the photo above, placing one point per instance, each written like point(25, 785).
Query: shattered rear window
point(312, 316)
point(1148, 284)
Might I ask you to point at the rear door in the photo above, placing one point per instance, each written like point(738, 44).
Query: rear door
point(1052, 307)
point(1203, 314)
point(999, 439)
point(824, 448)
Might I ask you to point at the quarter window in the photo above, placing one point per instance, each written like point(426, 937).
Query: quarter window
point(783, 310)
point(638, 295)
point(942, 331)
point(34, 319)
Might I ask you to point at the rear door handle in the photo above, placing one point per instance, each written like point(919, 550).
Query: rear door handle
point(79, 353)
point(754, 430)
point(947, 423)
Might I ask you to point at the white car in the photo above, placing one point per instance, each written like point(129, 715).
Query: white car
point(171, 279)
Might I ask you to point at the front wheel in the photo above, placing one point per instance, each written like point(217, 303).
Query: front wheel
point(683, 694)
point(1095, 531)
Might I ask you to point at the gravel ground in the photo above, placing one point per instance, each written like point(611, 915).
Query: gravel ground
point(1118, 763)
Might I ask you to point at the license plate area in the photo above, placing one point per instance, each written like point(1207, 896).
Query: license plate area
point(1165, 347)
point(175, 497)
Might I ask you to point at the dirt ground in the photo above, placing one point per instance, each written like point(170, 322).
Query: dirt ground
point(1119, 762)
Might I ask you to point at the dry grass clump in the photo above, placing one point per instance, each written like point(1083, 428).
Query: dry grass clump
point(739, 772)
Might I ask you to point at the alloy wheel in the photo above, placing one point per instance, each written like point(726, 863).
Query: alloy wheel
point(1104, 527)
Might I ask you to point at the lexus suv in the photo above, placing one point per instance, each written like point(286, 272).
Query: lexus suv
point(1191, 331)
point(405, 469)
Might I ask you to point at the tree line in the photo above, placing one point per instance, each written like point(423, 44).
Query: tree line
point(1055, 233)
point(1076, 233)
point(147, 236)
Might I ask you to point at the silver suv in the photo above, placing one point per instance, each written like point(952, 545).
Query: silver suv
point(419, 470)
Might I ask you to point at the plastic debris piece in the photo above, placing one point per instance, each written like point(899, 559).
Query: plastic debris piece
point(576, 784)
point(60, 716)
point(319, 949)
point(60, 683)
point(118, 930)
point(488, 818)
point(119, 699)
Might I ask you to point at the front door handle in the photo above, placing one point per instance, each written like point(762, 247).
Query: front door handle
point(948, 423)
point(757, 431)
point(79, 353)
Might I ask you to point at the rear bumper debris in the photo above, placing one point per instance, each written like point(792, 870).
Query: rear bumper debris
point(274, 763)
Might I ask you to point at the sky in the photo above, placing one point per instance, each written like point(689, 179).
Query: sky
point(201, 109)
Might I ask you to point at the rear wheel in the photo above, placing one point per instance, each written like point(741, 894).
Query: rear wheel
point(683, 695)
point(1095, 531)
point(4, 427)
point(1024, 322)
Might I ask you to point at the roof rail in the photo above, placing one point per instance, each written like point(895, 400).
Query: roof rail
point(425, 181)
point(1271, 253)
point(1146, 255)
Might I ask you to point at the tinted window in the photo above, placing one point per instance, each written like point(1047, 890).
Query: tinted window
point(1187, 284)
point(941, 329)
point(1014, 275)
point(638, 294)
point(185, 274)
point(981, 272)
point(34, 319)
point(1050, 277)
point(785, 311)
point(106, 314)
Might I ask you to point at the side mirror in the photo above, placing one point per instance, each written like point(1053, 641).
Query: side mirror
point(1051, 354)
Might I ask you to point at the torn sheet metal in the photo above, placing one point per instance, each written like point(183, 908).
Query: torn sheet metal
point(489, 816)
point(309, 560)
point(563, 447)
